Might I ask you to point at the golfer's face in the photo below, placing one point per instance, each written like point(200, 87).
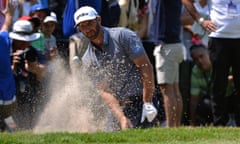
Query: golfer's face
point(89, 28)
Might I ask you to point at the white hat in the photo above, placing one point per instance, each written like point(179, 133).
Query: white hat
point(22, 30)
point(52, 18)
point(84, 13)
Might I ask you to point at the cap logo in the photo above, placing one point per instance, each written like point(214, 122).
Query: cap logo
point(81, 15)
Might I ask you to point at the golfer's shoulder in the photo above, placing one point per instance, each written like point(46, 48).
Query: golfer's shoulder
point(76, 37)
point(121, 32)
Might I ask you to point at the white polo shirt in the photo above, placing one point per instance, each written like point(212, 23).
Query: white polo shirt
point(227, 26)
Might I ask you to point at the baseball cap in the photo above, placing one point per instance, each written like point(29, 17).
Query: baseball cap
point(52, 18)
point(84, 13)
point(25, 18)
point(38, 7)
point(22, 30)
point(35, 20)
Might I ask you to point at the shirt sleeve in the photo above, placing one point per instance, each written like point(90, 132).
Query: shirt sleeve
point(132, 44)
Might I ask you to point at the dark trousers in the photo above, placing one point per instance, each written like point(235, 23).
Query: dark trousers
point(184, 85)
point(224, 53)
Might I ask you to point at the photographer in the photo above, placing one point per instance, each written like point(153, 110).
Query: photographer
point(28, 72)
point(7, 83)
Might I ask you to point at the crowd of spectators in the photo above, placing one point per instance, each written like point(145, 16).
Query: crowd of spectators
point(190, 72)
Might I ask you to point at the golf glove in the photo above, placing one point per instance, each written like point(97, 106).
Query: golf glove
point(149, 112)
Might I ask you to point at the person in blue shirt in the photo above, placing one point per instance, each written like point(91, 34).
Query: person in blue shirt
point(120, 69)
point(7, 83)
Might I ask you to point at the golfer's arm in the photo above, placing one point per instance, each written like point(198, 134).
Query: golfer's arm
point(113, 104)
point(143, 63)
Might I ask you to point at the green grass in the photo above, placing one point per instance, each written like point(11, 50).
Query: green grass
point(182, 135)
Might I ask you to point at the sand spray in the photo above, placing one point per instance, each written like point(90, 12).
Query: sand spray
point(73, 104)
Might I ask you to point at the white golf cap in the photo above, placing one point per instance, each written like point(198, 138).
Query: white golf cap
point(51, 18)
point(84, 13)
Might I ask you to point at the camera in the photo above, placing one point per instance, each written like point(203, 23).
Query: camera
point(28, 54)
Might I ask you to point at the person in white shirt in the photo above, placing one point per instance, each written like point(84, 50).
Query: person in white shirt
point(224, 47)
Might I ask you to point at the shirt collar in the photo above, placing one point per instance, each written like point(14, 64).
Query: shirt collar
point(105, 40)
point(105, 37)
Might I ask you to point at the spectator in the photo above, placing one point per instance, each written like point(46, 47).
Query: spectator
point(200, 99)
point(7, 83)
point(141, 27)
point(58, 8)
point(200, 102)
point(110, 13)
point(2, 19)
point(186, 66)
point(224, 51)
point(44, 2)
point(203, 7)
point(18, 9)
point(28, 72)
point(168, 53)
point(117, 63)
point(40, 12)
point(115, 11)
point(134, 15)
point(129, 13)
point(50, 40)
point(26, 6)
point(35, 21)
point(123, 15)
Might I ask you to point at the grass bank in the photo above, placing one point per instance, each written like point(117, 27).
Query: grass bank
point(183, 135)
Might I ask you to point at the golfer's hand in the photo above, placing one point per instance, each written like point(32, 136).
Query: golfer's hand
point(149, 112)
point(125, 123)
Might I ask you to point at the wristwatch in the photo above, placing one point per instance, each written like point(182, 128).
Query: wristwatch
point(200, 20)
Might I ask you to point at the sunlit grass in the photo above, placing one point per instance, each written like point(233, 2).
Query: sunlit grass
point(182, 135)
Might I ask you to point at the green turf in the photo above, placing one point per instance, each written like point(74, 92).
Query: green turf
point(182, 135)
